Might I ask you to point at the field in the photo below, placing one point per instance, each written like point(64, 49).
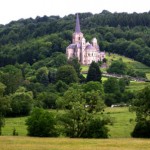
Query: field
point(30, 143)
point(136, 86)
point(130, 62)
point(123, 123)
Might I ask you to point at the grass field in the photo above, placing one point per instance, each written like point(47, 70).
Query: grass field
point(124, 122)
point(30, 143)
point(121, 128)
point(136, 86)
point(119, 140)
point(17, 123)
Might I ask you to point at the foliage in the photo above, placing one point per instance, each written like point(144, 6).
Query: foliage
point(97, 129)
point(141, 105)
point(59, 59)
point(94, 73)
point(80, 108)
point(67, 74)
point(115, 91)
point(41, 123)
point(47, 99)
point(118, 67)
point(11, 77)
point(61, 86)
point(75, 63)
point(42, 75)
point(21, 102)
point(4, 106)
point(111, 85)
point(30, 40)
point(142, 129)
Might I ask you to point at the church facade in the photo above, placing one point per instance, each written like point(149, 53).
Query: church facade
point(85, 52)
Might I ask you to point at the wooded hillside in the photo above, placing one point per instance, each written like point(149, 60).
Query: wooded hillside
point(30, 40)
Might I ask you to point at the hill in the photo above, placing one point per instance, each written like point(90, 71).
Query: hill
point(30, 40)
point(135, 65)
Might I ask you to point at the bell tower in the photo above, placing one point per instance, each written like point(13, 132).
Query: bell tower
point(77, 35)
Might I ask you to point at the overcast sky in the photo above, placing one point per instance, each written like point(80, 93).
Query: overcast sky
point(17, 9)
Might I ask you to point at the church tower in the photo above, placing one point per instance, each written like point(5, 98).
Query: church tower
point(77, 35)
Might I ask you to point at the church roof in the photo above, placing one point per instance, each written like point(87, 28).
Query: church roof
point(73, 46)
point(77, 28)
point(90, 47)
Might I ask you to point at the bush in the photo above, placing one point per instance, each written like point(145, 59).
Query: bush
point(97, 129)
point(142, 129)
point(41, 123)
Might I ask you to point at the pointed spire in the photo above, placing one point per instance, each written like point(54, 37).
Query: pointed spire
point(77, 29)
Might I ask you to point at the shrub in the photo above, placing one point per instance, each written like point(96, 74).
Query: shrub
point(41, 123)
point(97, 129)
point(142, 129)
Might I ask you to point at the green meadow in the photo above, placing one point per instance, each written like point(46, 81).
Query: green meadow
point(123, 123)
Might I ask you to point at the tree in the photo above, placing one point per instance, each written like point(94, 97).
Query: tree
point(122, 84)
point(11, 77)
point(80, 109)
point(61, 86)
point(112, 90)
point(52, 75)
point(4, 106)
point(59, 59)
point(41, 123)
point(42, 75)
point(118, 67)
point(67, 74)
point(141, 105)
point(48, 99)
point(94, 86)
point(75, 63)
point(111, 85)
point(21, 102)
point(94, 73)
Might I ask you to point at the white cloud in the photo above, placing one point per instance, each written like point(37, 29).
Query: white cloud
point(16, 9)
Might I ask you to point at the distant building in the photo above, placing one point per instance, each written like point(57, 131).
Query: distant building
point(85, 52)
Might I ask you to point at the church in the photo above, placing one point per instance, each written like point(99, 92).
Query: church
point(85, 52)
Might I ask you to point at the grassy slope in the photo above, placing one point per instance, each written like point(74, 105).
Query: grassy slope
point(123, 122)
point(17, 123)
point(136, 86)
point(130, 62)
point(30, 143)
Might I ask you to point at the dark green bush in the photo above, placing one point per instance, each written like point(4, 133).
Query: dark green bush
point(142, 129)
point(41, 123)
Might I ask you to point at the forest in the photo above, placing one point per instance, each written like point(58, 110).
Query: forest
point(35, 73)
point(30, 40)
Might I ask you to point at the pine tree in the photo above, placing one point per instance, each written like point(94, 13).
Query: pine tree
point(94, 73)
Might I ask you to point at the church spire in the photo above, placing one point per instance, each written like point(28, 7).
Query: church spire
point(77, 29)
